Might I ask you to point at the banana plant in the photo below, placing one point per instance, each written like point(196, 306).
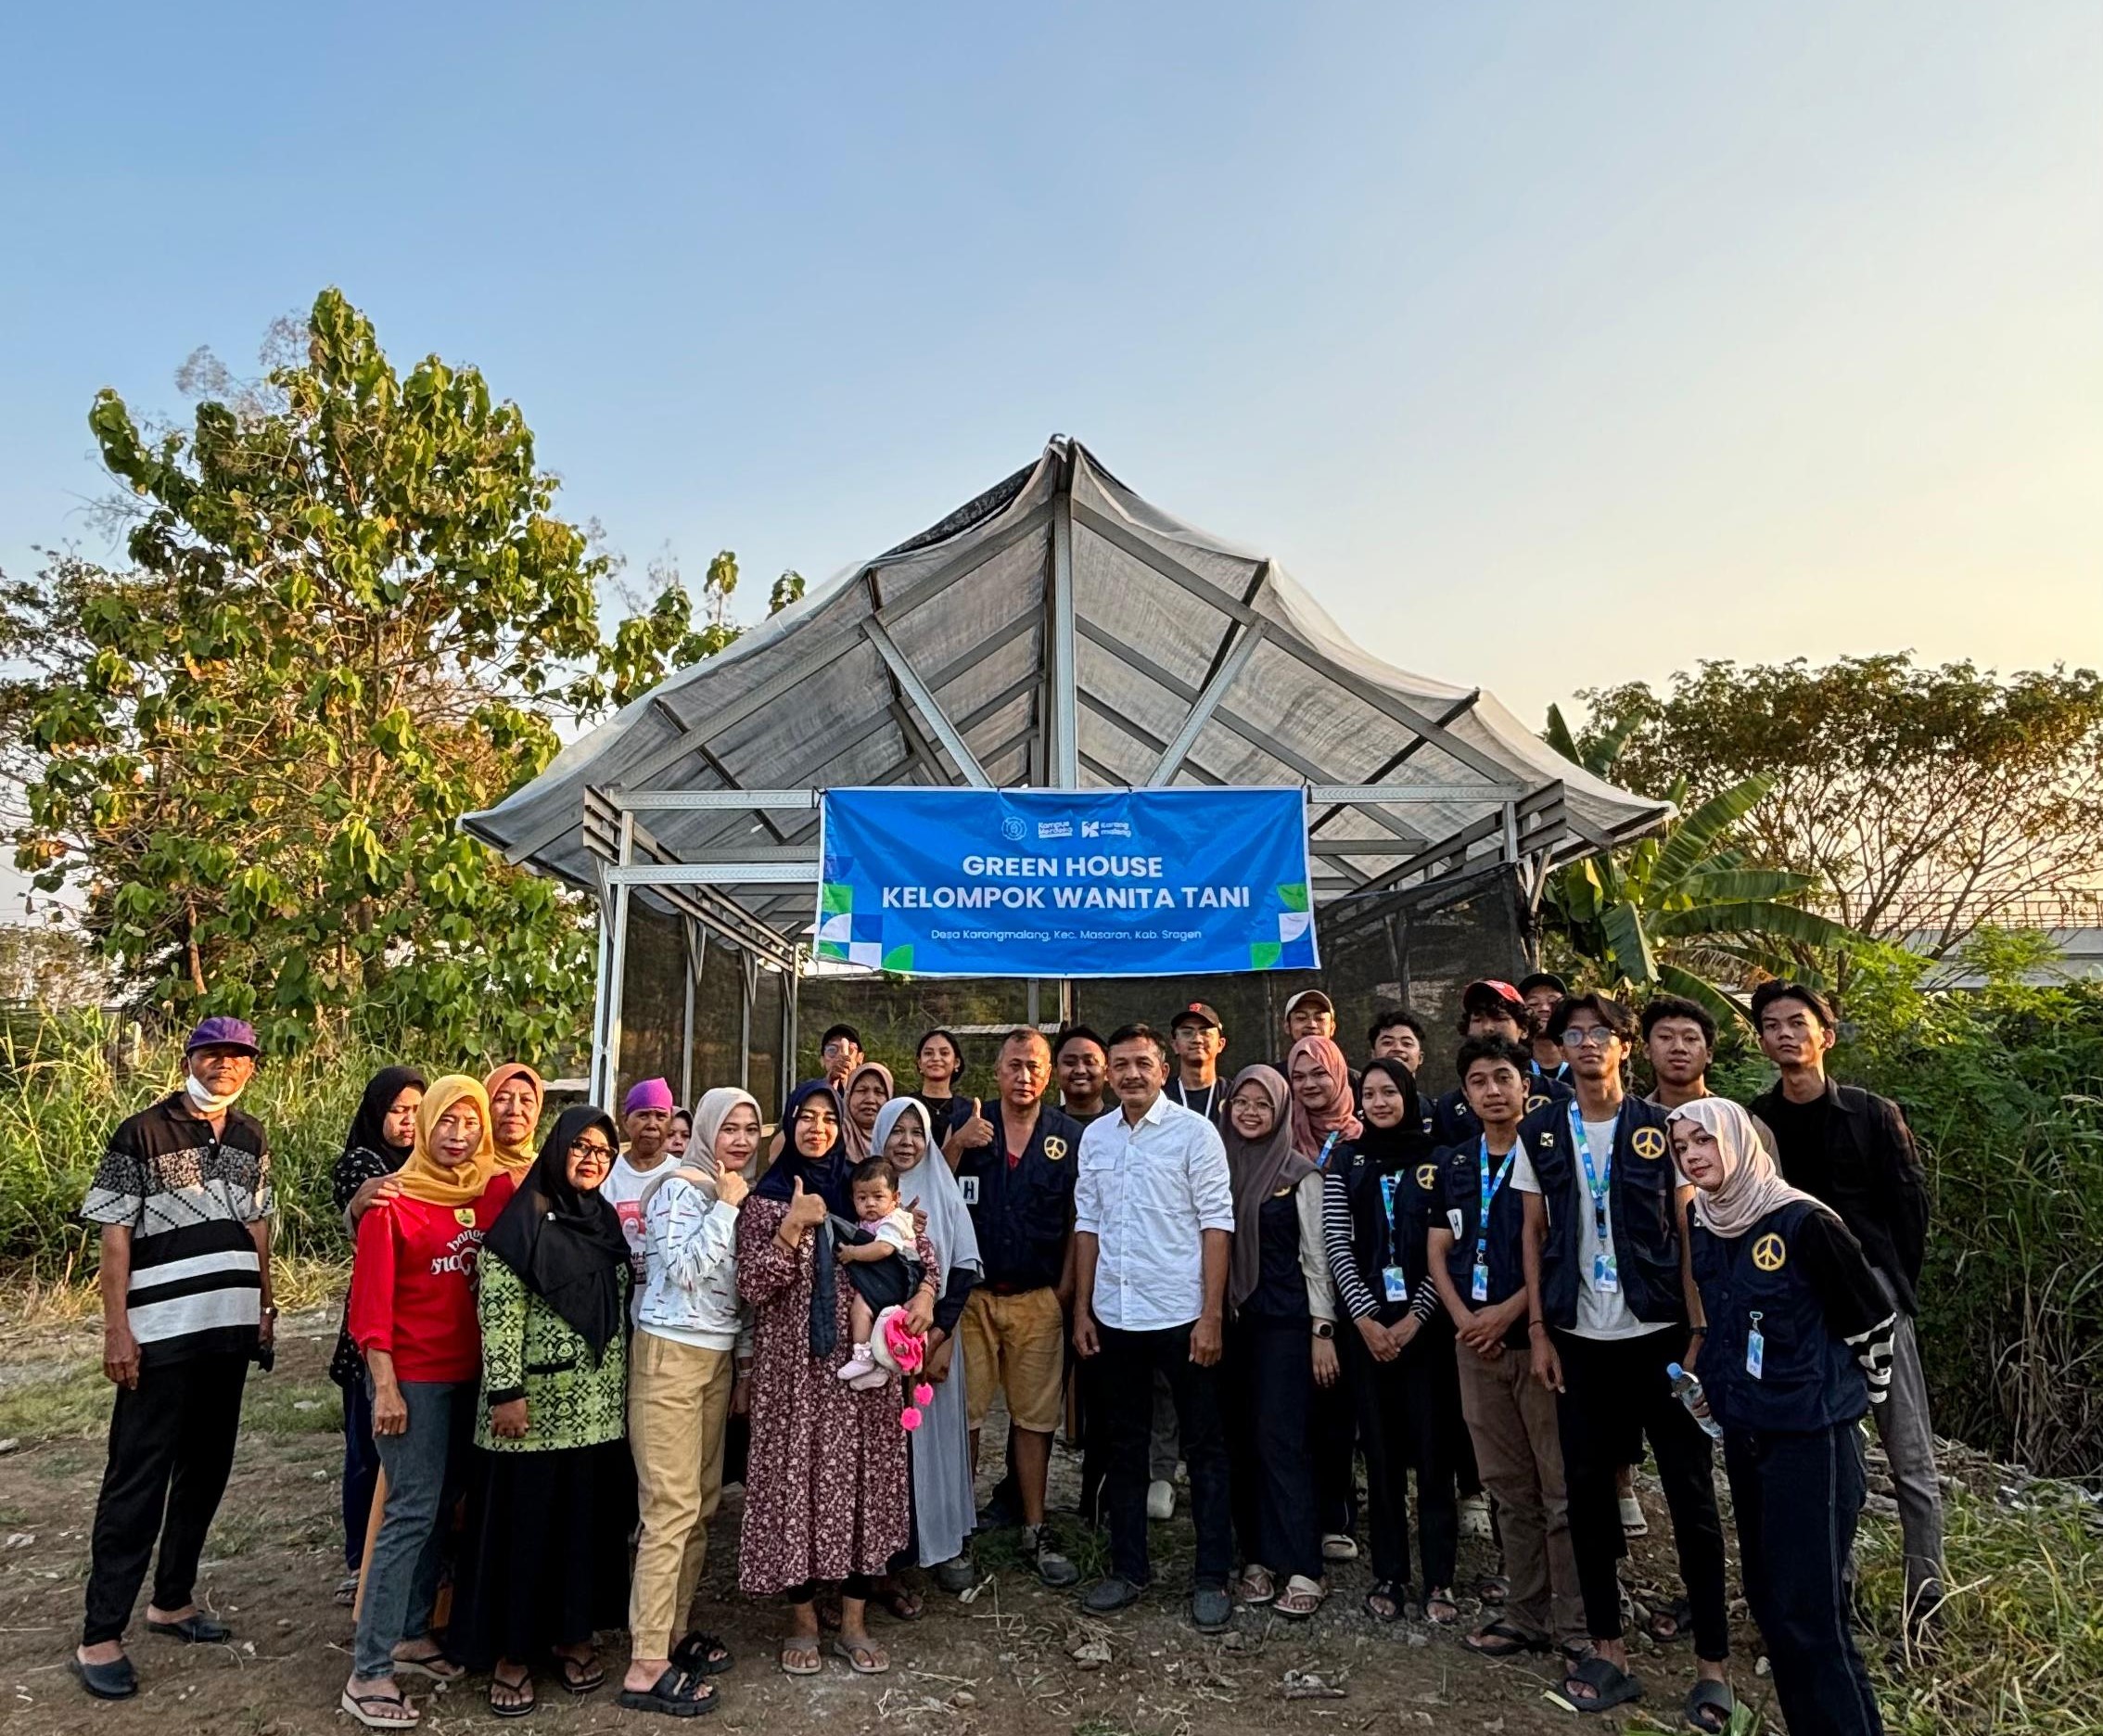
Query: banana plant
point(1682, 909)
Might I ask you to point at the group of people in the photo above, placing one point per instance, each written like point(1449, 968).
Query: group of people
point(552, 1354)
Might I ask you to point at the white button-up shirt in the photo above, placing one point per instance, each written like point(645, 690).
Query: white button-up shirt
point(1147, 1193)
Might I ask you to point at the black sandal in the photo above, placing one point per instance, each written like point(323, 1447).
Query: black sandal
point(1501, 1639)
point(1670, 1622)
point(518, 1708)
point(579, 1675)
point(702, 1654)
point(1610, 1686)
point(676, 1694)
point(1394, 1594)
point(1709, 1706)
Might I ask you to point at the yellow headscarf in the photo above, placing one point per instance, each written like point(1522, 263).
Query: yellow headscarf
point(517, 1158)
point(430, 1178)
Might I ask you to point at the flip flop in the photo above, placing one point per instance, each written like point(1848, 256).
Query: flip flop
point(355, 1706)
point(902, 1603)
point(856, 1651)
point(802, 1646)
point(438, 1667)
point(1493, 1589)
point(1503, 1640)
point(1256, 1586)
point(1611, 1686)
point(1707, 1697)
point(676, 1694)
point(514, 1708)
point(1301, 1599)
point(1441, 1600)
point(579, 1677)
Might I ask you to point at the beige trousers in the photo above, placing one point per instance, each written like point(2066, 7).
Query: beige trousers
point(678, 1411)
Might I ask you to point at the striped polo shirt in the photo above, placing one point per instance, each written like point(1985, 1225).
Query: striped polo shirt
point(187, 1198)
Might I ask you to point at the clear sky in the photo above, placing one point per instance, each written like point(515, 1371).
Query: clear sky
point(1550, 346)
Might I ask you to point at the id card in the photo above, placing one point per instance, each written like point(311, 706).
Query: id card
point(1479, 1288)
point(1756, 1350)
point(968, 1187)
point(1606, 1275)
point(1396, 1281)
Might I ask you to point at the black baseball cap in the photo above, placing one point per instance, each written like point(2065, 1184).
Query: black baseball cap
point(1197, 1012)
point(1542, 979)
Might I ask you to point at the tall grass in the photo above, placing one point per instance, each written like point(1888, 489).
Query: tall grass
point(67, 1079)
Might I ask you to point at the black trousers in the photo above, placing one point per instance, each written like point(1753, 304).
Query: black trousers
point(170, 1447)
point(1406, 1411)
point(1798, 1497)
point(1335, 1457)
point(1129, 1360)
point(1615, 1392)
point(1270, 1405)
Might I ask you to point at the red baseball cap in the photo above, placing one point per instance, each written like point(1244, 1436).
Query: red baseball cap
point(1495, 989)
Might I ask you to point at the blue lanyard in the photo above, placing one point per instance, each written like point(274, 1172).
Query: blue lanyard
point(1596, 1183)
point(1327, 1145)
point(1489, 1193)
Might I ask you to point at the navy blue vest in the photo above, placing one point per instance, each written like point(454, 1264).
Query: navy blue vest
point(1418, 1205)
point(1639, 1208)
point(1809, 1380)
point(1461, 1176)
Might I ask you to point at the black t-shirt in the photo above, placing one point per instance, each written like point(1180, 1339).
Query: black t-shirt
point(1210, 1103)
point(1800, 1130)
point(1282, 1284)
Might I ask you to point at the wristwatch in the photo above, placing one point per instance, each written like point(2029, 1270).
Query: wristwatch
point(1325, 1329)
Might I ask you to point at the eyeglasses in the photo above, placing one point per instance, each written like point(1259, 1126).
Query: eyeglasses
point(1587, 1037)
point(836, 1048)
point(589, 1148)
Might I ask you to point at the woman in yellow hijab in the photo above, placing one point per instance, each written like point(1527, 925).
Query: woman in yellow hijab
point(516, 1094)
point(450, 1162)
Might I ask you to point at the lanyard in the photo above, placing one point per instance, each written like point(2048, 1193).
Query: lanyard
point(1183, 1097)
point(1597, 1182)
point(1489, 1193)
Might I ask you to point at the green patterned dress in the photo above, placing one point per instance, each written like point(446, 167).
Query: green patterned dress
point(549, 1514)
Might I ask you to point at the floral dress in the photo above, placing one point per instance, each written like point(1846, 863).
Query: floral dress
point(826, 1488)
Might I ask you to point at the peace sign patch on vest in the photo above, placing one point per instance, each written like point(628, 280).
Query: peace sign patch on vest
point(1770, 1252)
point(1647, 1141)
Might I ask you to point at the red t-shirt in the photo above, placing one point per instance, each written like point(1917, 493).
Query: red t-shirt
point(412, 1285)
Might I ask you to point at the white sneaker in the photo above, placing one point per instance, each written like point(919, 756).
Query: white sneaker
point(1160, 1499)
point(1633, 1524)
point(1475, 1517)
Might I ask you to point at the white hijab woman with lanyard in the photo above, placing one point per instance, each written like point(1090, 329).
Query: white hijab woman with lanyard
point(942, 1498)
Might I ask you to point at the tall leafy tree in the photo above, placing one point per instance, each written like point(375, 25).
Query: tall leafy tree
point(352, 614)
point(1926, 803)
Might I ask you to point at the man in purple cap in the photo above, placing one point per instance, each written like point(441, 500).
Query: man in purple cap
point(647, 1120)
point(182, 1197)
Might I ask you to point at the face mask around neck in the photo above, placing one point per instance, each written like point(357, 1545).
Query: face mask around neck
point(204, 1101)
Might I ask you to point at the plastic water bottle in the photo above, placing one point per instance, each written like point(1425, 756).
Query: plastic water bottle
point(1688, 1390)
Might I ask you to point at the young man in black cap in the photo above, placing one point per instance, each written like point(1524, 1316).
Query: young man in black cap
point(1854, 1150)
point(1199, 1038)
point(1541, 991)
point(1488, 1008)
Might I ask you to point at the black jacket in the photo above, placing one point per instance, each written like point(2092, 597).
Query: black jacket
point(1870, 1174)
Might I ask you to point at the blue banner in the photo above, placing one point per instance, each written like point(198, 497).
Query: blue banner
point(1065, 883)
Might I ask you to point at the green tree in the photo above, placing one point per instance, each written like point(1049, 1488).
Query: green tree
point(352, 616)
point(649, 645)
point(1684, 908)
point(1927, 803)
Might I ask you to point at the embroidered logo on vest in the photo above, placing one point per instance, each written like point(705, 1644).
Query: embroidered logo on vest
point(1647, 1141)
point(1770, 1252)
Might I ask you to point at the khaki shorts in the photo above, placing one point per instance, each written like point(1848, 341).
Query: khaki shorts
point(1016, 1345)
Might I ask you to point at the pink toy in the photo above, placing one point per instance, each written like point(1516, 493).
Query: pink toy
point(896, 1347)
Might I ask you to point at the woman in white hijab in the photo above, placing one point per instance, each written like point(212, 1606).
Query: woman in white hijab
point(1796, 1346)
point(942, 1500)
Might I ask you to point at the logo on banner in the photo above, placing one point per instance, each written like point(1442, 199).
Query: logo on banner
point(1014, 828)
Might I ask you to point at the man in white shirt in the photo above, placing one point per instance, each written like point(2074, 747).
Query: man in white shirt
point(1153, 1222)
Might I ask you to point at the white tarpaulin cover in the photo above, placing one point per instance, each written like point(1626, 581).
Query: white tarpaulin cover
point(1060, 594)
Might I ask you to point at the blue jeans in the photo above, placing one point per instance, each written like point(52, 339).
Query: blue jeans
point(425, 1467)
point(361, 1470)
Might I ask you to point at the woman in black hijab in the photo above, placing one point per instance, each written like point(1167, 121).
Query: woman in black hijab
point(553, 1496)
point(1399, 1344)
point(381, 1135)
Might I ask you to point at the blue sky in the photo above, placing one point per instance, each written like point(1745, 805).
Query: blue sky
point(1550, 346)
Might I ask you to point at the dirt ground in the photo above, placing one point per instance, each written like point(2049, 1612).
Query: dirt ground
point(1002, 1664)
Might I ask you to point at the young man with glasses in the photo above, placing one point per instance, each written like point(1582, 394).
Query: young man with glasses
point(1610, 1302)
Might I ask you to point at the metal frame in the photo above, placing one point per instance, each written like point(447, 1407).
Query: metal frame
point(743, 879)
